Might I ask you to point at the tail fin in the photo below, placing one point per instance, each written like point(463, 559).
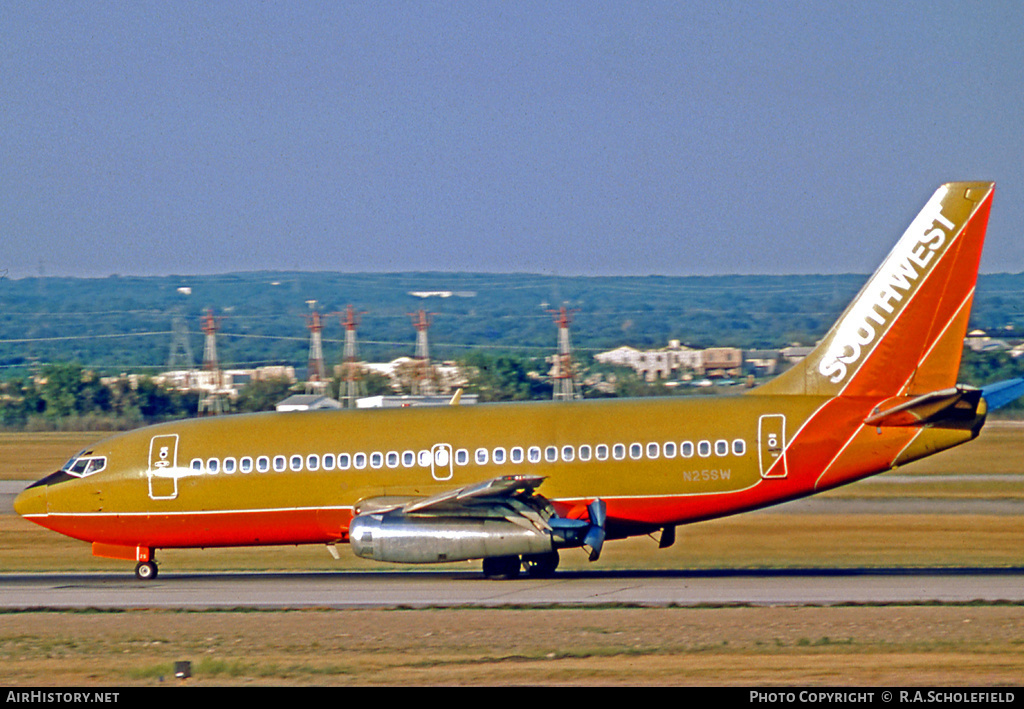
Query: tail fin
point(903, 333)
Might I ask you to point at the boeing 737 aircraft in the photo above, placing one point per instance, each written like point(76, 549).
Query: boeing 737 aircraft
point(512, 484)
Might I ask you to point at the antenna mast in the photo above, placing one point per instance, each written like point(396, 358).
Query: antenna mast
point(350, 366)
point(211, 401)
point(316, 379)
point(562, 372)
point(180, 356)
point(422, 383)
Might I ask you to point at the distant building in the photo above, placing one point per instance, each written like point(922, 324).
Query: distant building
point(762, 363)
point(402, 371)
point(657, 364)
point(979, 341)
point(401, 402)
point(226, 382)
point(723, 362)
point(308, 402)
point(795, 353)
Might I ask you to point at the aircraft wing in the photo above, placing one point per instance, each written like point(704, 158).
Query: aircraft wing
point(1002, 393)
point(510, 497)
point(496, 490)
point(464, 512)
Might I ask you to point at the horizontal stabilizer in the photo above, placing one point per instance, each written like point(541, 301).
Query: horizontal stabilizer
point(947, 407)
point(1002, 393)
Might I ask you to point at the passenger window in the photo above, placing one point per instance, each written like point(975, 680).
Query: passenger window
point(533, 454)
point(721, 447)
point(568, 453)
point(704, 449)
point(426, 458)
point(481, 456)
point(213, 465)
point(392, 459)
point(585, 453)
point(551, 454)
point(196, 464)
point(669, 450)
point(408, 459)
point(498, 456)
point(376, 460)
point(359, 461)
point(312, 462)
point(328, 461)
point(229, 465)
point(263, 464)
point(652, 450)
point(686, 450)
point(295, 463)
point(602, 452)
point(618, 451)
point(461, 456)
point(739, 447)
point(517, 455)
point(280, 464)
point(245, 464)
point(636, 451)
point(344, 461)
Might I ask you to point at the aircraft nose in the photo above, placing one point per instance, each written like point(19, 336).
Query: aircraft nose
point(31, 501)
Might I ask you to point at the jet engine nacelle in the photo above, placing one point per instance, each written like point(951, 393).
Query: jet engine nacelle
point(431, 540)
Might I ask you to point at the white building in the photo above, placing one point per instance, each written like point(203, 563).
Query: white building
point(308, 402)
point(655, 364)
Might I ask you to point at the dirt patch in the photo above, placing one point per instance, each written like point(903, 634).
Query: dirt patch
point(903, 645)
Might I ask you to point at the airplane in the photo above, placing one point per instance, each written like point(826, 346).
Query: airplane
point(514, 484)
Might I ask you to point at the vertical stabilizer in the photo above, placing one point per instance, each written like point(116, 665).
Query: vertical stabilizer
point(903, 333)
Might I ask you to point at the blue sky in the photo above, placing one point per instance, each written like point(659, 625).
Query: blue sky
point(591, 138)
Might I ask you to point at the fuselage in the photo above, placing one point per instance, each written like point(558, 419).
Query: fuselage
point(297, 478)
point(512, 484)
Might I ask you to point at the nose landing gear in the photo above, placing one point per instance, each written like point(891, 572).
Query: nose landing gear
point(145, 570)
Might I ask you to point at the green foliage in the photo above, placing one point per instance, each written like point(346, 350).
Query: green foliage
point(116, 325)
point(68, 389)
point(263, 395)
point(504, 377)
point(19, 400)
point(70, 395)
point(981, 368)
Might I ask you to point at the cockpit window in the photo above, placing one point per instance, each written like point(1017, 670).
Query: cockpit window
point(85, 465)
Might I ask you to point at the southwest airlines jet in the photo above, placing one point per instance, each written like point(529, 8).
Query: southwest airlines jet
point(512, 484)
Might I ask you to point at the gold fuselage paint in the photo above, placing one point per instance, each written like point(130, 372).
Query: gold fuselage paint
point(891, 359)
point(655, 462)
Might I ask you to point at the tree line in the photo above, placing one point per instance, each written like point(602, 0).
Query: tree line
point(70, 396)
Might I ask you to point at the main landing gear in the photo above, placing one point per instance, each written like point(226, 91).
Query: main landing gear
point(507, 567)
point(145, 570)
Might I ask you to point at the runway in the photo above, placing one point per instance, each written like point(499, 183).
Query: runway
point(468, 589)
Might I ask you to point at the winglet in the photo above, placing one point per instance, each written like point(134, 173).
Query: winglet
point(903, 333)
